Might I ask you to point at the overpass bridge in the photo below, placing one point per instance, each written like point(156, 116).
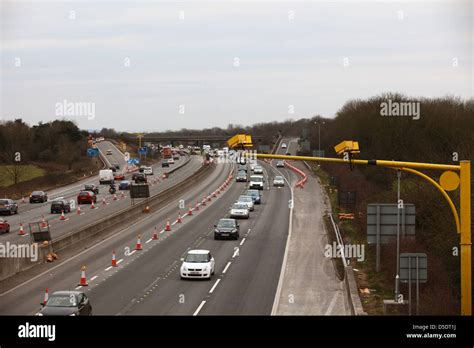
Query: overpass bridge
point(197, 140)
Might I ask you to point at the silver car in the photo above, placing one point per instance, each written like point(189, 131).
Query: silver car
point(278, 181)
point(239, 210)
point(248, 200)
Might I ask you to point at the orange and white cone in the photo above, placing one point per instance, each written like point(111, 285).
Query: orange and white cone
point(139, 243)
point(43, 222)
point(78, 210)
point(115, 196)
point(209, 198)
point(62, 216)
point(123, 194)
point(46, 296)
point(168, 226)
point(190, 211)
point(103, 201)
point(83, 281)
point(179, 220)
point(155, 234)
point(203, 202)
point(114, 259)
point(23, 199)
point(197, 206)
point(21, 232)
point(92, 205)
point(214, 194)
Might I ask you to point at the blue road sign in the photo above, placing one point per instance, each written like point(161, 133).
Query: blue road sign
point(92, 152)
point(143, 150)
point(134, 161)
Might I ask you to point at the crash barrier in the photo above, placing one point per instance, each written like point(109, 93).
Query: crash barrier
point(350, 283)
point(88, 235)
point(301, 182)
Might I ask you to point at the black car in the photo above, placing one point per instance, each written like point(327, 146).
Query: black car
point(256, 196)
point(241, 177)
point(165, 164)
point(116, 166)
point(140, 177)
point(60, 205)
point(226, 228)
point(67, 303)
point(92, 188)
point(8, 206)
point(38, 197)
point(113, 169)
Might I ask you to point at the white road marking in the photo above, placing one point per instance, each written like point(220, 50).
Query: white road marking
point(235, 252)
point(199, 308)
point(214, 286)
point(108, 268)
point(332, 304)
point(148, 241)
point(119, 261)
point(131, 253)
point(226, 266)
point(94, 277)
point(78, 287)
point(243, 241)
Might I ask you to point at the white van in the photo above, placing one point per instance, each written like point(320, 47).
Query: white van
point(106, 176)
point(256, 182)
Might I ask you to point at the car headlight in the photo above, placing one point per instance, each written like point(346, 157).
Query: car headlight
point(234, 230)
point(73, 314)
point(39, 314)
point(216, 230)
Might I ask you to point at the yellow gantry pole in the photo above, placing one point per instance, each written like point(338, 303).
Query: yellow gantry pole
point(463, 222)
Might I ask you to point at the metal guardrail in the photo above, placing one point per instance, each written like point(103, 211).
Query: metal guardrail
point(340, 243)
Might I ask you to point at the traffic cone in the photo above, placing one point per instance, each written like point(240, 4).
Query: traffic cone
point(103, 201)
point(78, 210)
point(209, 198)
point(139, 243)
point(123, 195)
point(46, 296)
point(115, 196)
point(114, 260)
point(197, 206)
point(92, 205)
point(214, 194)
point(203, 203)
point(21, 232)
point(179, 218)
point(62, 216)
point(168, 226)
point(43, 223)
point(155, 234)
point(23, 199)
point(190, 211)
point(83, 281)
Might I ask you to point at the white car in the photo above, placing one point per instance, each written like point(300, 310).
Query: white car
point(256, 182)
point(171, 161)
point(148, 171)
point(109, 152)
point(278, 181)
point(239, 210)
point(197, 264)
point(283, 145)
point(246, 200)
point(258, 170)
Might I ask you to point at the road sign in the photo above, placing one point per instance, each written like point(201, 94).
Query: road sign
point(347, 198)
point(413, 266)
point(143, 150)
point(92, 152)
point(134, 161)
point(139, 191)
point(382, 221)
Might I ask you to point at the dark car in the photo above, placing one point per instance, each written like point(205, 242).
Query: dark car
point(226, 228)
point(116, 165)
point(38, 197)
point(256, 196)
point(140, 177)
point(165, 164)
point(241, 177)
point(113, 169)
point(92, 188)
point(66, 303)
point(60, 205)
point(8, 206)
point(86, 197)
point(124, 185)
point(4, 226)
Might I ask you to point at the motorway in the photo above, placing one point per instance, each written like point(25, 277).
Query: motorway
point(105, 205)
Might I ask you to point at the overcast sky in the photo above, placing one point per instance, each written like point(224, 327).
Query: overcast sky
point(156, 65)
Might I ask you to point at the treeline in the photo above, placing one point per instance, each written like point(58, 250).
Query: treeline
point(60, 141)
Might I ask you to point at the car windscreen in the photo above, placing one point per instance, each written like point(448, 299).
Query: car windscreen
point(256, 178)
point(278, 178)
point(239, 206)
point(3, 201)
point(197, 258)
point(226, 223)
point(57, 203)
point(245, 199)
point(84, 194)
point(37, 193)
point(62, 301)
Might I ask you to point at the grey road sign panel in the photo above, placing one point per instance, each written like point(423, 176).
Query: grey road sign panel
point(408, 267)
point(386, 221)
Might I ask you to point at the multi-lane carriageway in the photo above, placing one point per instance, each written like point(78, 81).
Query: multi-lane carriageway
point(147, 281)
